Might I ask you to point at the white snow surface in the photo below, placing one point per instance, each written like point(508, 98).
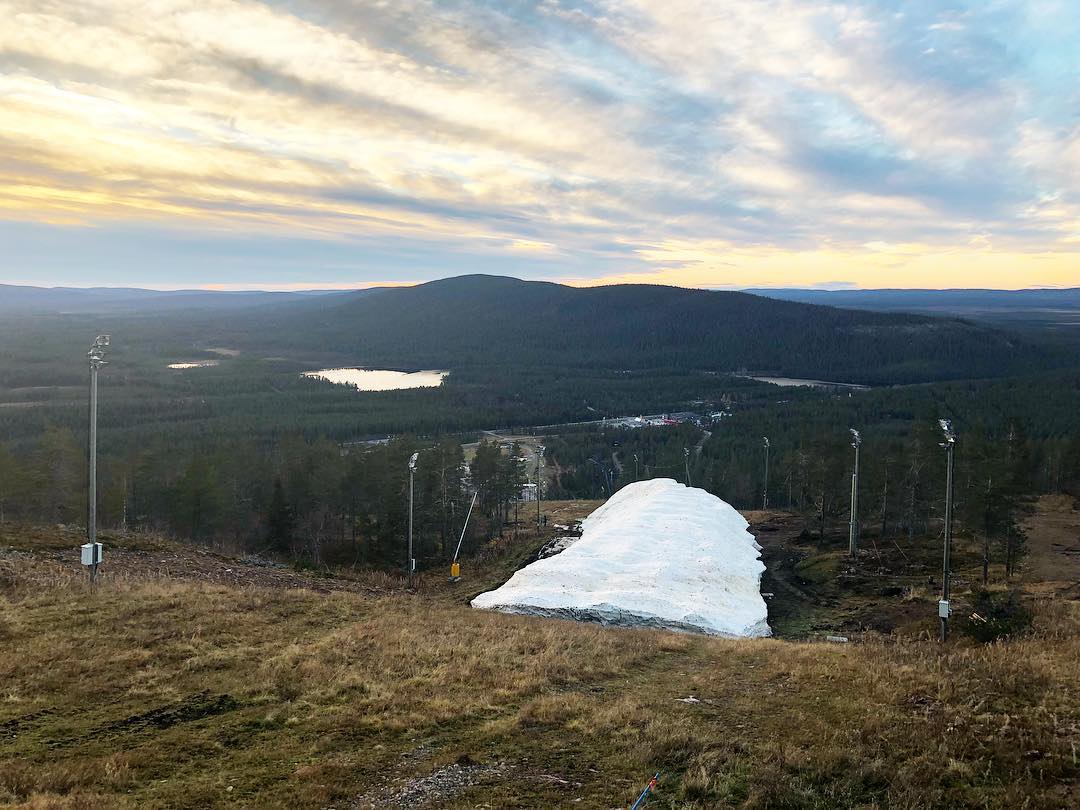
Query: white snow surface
point(657, 554)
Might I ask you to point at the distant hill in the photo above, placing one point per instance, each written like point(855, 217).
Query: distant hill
point(972, 303)
point(489, 320)
point(16, 299)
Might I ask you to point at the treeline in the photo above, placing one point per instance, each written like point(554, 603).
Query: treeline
point(902, 480)
point(594, 464)
point(999, 467)
point(306, 500)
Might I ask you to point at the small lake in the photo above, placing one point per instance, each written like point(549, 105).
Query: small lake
point(792, 382)
point(196, 364)
point(373, 379)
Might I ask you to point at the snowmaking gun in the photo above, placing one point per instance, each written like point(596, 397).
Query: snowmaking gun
point(455, 567)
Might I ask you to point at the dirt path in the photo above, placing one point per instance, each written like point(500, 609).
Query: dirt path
point(1053, 544)
point(705, 436)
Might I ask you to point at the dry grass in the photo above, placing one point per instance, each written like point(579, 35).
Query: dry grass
point(174, 694)
point(166, 693)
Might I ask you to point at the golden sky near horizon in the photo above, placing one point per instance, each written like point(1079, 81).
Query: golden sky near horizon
point(312, 143)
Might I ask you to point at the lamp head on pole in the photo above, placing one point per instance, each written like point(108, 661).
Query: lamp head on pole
point(97, 351)
point(766, 440)
point(856, 439)
point(947, 429)
point(412, 462)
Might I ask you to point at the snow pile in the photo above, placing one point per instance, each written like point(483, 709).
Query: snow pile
point(657, 554)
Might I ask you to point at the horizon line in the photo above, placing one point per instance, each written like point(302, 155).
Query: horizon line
point(341, 287)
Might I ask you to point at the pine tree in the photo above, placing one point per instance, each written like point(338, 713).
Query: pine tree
point(280, 522)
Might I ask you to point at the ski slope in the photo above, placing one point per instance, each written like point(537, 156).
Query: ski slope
point(657, 554)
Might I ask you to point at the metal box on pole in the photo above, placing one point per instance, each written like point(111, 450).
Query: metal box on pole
point(91, 553)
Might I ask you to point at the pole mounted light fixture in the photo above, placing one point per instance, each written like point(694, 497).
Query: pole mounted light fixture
point(947, 429)
point(91, 553)
point(539, 458)
point(765, 486)
point(853, 525)
point(412, 472)
point(950, 446)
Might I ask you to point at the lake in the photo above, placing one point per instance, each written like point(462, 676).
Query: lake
point(196, 364)
point(373, 379)
point(791, 382)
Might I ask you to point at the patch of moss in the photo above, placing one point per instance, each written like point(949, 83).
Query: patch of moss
point(821, 570)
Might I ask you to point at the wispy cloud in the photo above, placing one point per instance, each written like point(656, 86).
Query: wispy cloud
point(684, 141)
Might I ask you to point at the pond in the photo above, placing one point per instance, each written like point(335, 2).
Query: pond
point(195, 364)
point(375, 379)
point(791, 382)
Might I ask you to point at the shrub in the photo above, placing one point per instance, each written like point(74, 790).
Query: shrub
point(996, 615)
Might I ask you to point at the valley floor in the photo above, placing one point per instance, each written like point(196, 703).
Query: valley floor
point(195, 680)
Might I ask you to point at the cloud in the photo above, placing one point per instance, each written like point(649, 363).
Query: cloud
point(559, 139)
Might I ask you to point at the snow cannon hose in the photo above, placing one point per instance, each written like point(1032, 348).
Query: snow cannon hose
point(645, 793)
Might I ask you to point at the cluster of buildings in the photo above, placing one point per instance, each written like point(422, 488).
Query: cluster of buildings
point(665, 419)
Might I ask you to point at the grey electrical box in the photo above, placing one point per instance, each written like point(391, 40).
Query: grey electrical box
point(91, 553)
point(943, 609)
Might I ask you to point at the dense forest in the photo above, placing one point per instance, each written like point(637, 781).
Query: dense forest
point(306, 500)
point(485, 320)
point(321, 503)
point(249, 453)
point(1017, 438)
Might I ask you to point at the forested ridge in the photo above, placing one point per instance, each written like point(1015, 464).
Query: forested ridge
point(493, 320)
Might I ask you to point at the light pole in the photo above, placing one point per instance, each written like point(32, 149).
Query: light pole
point(853, 526)
point(97, 360)
point(686, 461)
point(950, 445)
point(765, 487)
point(539, 459)
point(412, 473)
point(637, 475)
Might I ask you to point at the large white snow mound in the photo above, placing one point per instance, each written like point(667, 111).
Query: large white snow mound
point(657, 554)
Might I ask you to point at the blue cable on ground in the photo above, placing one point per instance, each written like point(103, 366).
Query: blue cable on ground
point(645, 793)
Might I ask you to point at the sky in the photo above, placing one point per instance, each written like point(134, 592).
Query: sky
point(242, 144)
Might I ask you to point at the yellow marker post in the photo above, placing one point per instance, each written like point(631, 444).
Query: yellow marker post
point(455, 570)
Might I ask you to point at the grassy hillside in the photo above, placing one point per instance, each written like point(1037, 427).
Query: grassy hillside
point(175, 686)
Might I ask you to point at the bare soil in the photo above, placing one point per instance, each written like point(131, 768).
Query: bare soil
point(1053, 544)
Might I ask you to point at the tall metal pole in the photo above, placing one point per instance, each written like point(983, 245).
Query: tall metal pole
point(96, 356)
point(91, 502)
point(686, 460)
point(412, 560)
point(853, 525)
point(943, 606)
point(637, 475)
point(539, 456)
point(765, 486)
